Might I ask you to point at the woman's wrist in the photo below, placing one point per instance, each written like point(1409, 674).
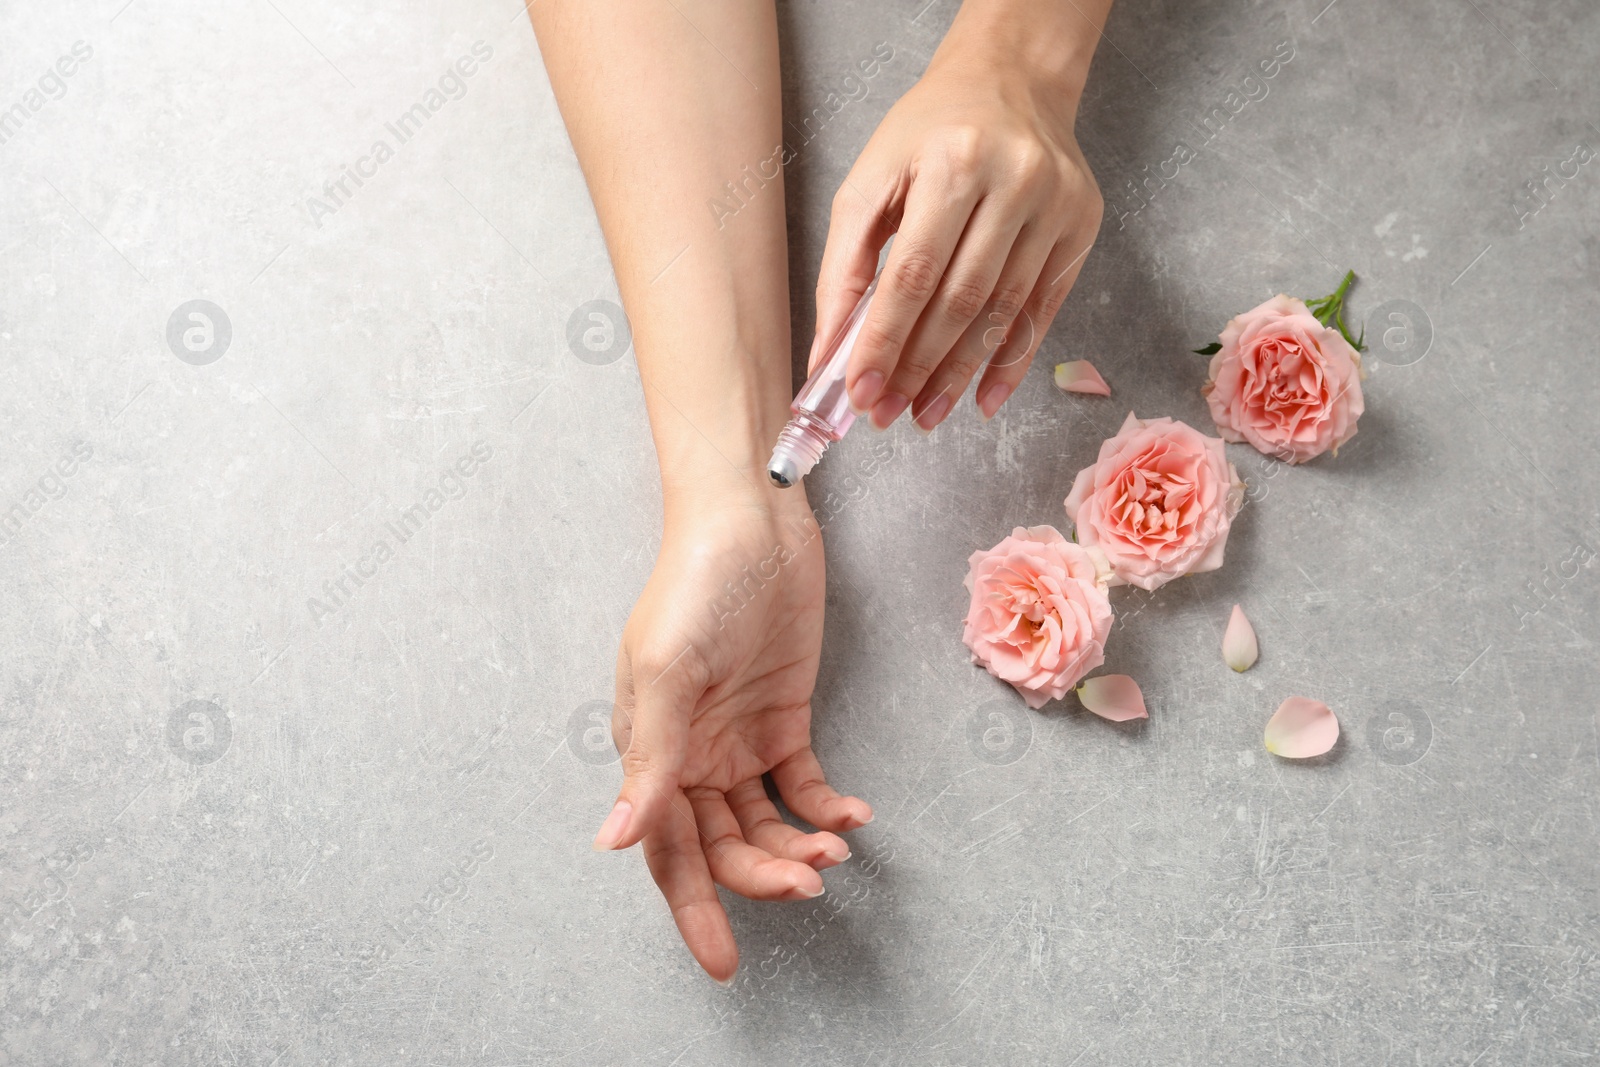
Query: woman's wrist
point(722, 497)
point(715, 362)
point(1045, 44)
point(713, 446)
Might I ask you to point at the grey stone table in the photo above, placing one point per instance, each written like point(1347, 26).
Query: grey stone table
point(257, 808)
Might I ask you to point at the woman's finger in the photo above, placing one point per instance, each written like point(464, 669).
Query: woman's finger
point(937, 210)
point(857, 230)
point(1011, 360)
point(984, 335)
point(679, 868)
point(740, 866)
point(650, 725)
point(965, 290)
point(806, 791)
point(764, 828)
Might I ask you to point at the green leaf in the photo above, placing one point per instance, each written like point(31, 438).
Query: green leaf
point(1209, 350)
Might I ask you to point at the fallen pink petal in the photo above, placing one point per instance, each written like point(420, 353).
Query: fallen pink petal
point(1080, 376)
point(1113, 696)
point(1239, 649)
point(1301, 728)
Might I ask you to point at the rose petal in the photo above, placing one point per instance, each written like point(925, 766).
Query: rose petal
point(1239, 649)
point(1080, 376)
point(1113, 696)
point(1300, 728)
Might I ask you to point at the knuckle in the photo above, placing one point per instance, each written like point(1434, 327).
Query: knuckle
point(964, 299)
point(637, 761)
point(916, 274)
point(963, 362)
point(878, 345)
point(915, 368)
point(1031, 165)
point(1050, 301)
point(962, 152)
point(621, 726)
point(670, 850)
point(1022, 337)
point(659, 664)
point(1007, 301)
point(713, 847)
point(807, 785)
point(1083, 206)
point(1075, 200)
point(649, 665)
point(1012, 362)
point(1094, 208)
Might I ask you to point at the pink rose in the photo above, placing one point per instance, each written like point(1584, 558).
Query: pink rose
point(1158, 502)
point(1285, 383)
point(1039, 615)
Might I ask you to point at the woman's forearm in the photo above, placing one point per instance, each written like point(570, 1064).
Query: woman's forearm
point(1049, 42)
point(667, 101)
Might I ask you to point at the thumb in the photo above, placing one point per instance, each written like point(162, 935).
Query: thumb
point(857, 231)
point(653, 740)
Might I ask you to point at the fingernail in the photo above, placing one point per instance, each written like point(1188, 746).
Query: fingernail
point(614, 827)
point(836, 856)
point(726, 983)
point(810, 894)
point(865, 391)
point(934, 413)
point(992, 398)
point(887, 410)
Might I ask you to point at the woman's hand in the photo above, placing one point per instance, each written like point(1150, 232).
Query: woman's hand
point(714, 681)
point(978, 171)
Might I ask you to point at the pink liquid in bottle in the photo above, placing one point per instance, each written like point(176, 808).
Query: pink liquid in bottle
point(822, 407)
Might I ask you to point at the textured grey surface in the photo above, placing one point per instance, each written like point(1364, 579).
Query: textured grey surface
point(369, 840)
